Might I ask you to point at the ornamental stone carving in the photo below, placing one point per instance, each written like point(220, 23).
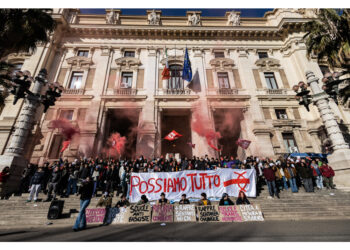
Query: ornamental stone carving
point(128, 62)
point(233, 18)
point(79, 61)
point(268, 63)
point(194, 19)
point(173, 60)
point(221, 63)
point(112, 16)
point(154, 18)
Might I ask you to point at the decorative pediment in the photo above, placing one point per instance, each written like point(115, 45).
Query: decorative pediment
point(128, 62)
point(173, 60)
point(222, 63)
point(268, 63)
point(79, 61)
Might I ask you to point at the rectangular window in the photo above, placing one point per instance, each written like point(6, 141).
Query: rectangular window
point(290, 143)
point(83, 53)
point(126, 80)
point(67, 114)
point(76, 80)
point(223, 80)
point(129, 54)
point(270, 80)
point(219, 54)
point(262, 55)
point(281, 114)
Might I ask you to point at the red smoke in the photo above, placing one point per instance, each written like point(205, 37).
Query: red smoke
point(117, 144)
point(201, 125)
point(67, 130)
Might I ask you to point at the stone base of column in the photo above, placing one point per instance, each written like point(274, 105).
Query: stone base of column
point(17, 165)
point(340, 162)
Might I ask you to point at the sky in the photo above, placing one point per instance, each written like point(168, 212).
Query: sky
point(182, 12)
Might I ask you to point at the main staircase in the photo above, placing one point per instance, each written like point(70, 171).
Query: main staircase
point(324, 204)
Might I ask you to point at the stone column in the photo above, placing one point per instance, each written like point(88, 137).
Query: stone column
point(14, 154)
point(339, 160)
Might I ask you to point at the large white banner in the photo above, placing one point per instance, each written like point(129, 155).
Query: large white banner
point(192, 183)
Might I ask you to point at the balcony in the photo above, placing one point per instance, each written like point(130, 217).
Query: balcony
point(286, 123)
point(176, 94)
point(73, 92)
point(276, 91)
point(222, 91)
point(125, 91)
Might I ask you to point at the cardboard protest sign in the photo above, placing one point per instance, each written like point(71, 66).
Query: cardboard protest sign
point(251, 213)
point(117, 215)
point(162, 213)
point(139, 214)
point(208, 213)
point(185, 213)
point(230, 214)
point(95, 215)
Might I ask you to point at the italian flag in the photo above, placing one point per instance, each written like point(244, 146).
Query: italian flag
point(166, 71)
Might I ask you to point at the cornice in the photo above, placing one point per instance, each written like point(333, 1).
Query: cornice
point(279, 32)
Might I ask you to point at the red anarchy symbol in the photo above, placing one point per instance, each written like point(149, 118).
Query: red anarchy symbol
point(240, 180)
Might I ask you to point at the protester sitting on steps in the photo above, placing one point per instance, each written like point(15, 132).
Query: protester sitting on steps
point(204, 201)
point(143, 200)
point(162, 200)
point(242, 199)
point(123, 202)
point(184, 200)
point(86, 191)
point(226, 201)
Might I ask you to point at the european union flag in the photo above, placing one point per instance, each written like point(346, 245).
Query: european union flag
point(187, 71)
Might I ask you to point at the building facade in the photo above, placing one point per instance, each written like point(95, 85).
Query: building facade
point(111, 68)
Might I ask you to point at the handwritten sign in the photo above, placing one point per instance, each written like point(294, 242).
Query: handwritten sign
point(184, 213)
point(229, 214)
point(95, 215)
point(208, 213)
point(251, 213)
point(139, 214)
point(117, 215)
point(162, 213)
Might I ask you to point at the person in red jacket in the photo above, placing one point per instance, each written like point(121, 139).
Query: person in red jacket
point(328, 174)
point(4, 175)
point(270, 178)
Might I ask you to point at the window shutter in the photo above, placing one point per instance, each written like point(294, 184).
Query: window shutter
point(111, 78)
point(284, 79)
point(140, 79)
point(257, 79)
point(296, 113)
point(210, 78)
point(267, 113)
point(237, 79)
point(90, 79)
point(61, 76)
point(160, 81)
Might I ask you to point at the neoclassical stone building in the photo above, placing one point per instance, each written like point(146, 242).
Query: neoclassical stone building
point(110, 66)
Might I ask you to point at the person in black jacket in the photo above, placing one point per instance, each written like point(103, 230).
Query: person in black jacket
point(35, 184)
point(226, 201)
point(86, 191)
point(242, 199)
point(184, 200)
point(55, 179)
point(306, 173)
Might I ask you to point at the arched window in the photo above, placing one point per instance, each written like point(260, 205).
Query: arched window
point(175, 81)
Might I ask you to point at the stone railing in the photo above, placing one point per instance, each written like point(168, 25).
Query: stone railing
point(222, 91)
point(125, 91)
point(73, 91)
point(173, 91)
point(276, 91)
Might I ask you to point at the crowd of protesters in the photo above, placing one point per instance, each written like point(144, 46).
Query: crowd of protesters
point(63, 178)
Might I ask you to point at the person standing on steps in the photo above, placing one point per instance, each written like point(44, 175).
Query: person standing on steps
point(270, 178)
point(54, 181)
point(86, 192)
point(4, 175)
point(35, 184)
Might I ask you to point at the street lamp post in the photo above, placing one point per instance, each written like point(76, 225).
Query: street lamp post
point(14, 153)
point(340, 158)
